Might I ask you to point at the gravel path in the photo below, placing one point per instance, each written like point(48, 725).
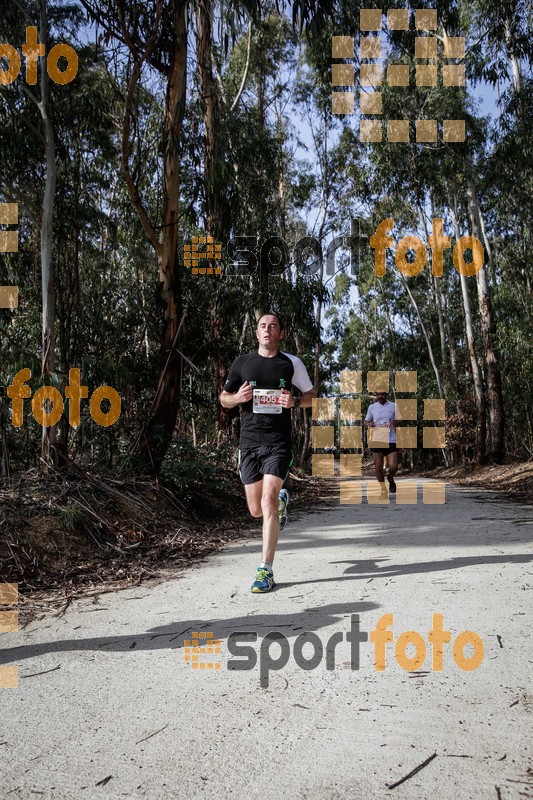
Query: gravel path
point(119, 712)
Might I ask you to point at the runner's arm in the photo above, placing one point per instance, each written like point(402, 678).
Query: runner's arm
point(306, 399)
point(228, 400)
point(235, 391)
point(303, 383)
point(231, 399)
point(369, 419)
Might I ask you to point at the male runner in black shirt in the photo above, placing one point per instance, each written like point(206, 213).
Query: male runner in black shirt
point(262, 381)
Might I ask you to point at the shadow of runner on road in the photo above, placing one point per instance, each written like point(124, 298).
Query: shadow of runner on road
point(362, 570)
point(371, 569)
point(398, 532)
point(311, 619)
point(171, 636)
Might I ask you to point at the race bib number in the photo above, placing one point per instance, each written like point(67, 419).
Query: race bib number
point(267, 401)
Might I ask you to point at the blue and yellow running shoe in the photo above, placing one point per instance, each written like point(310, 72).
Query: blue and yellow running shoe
point(264, 581)
point(283, 503)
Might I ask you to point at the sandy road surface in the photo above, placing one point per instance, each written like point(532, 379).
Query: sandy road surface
point(119, 713)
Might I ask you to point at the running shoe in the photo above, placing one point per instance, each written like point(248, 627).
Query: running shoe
point(282, 507)
point(392, 484)
point(264, 581)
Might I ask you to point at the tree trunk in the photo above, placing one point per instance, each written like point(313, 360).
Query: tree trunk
point(515, 63)
point(208, 95)
point(157, 434)
point(214, 194)
point(47, 274)
point(451, 343)
point(442, 334)
point(4, 454)
point(488, 330)
point(326, 192)
point(426, 337)
point(306, 446)
point(481, 430)
point(433, 289)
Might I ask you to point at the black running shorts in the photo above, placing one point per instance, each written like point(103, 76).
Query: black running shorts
point(255, 462)
point(384, 450)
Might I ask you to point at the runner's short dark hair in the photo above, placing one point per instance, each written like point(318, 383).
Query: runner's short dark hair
point(272, 314)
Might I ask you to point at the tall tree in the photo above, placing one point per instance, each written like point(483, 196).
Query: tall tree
point(155, 35)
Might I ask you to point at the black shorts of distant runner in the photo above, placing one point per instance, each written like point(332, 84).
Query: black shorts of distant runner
point(255, 462)
point(384, 450)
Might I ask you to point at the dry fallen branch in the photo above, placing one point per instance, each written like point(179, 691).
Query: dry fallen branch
point(70, 534)
point(104, 539)
point(152, 734)
point(104, 781)
point(413, 772)
point(34, 674)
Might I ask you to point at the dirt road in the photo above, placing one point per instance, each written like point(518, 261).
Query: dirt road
point(109, 707)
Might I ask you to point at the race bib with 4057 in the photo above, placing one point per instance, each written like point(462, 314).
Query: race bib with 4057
point(267, 401)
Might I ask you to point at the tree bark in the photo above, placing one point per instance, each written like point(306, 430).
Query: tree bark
point(47, 273)
point(481, 430)
point(515, 63)
point(426, 337)
point(325, 199)
point(162, 419)
point(488, 330)
point(156, 434)
point(433, 290)
point(214, 194)
point(208, 94)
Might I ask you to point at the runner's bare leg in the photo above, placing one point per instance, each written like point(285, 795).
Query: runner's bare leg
point(270, 507)
point(378, 466)
point(263, 501)
point(254, 493)
point(393, 464)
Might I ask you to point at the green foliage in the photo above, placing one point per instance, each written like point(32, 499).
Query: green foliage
point(191, 469)
point(72, 517)
point(284, 166)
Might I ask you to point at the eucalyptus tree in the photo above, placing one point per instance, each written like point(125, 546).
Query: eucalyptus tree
point(154, 36)
point(16, 97)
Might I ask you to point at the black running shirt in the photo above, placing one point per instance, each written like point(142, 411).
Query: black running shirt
point(282, 371)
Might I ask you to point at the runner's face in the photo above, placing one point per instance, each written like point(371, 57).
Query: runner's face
point(268, 332)
point(381, 397)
